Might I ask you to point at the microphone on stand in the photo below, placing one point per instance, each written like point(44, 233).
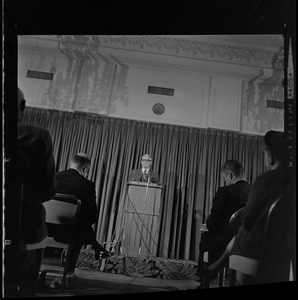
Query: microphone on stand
point(147, 175)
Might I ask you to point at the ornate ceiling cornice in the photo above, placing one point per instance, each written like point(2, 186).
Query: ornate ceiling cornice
point(179, 47)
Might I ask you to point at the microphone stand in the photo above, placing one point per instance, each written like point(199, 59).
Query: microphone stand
point(148, 181)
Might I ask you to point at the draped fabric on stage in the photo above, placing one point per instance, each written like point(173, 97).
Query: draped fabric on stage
point(139, 266)
point(187, 159)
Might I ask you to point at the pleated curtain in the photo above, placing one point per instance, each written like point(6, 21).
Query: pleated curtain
point(187, 159)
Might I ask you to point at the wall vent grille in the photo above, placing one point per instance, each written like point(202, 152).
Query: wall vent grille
point(160, 91)
point(275, 104)
point(40, 75)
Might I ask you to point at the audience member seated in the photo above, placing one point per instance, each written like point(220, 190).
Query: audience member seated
point(29, 182)
point(73, 181)
point(228, 199)
point(266, 188)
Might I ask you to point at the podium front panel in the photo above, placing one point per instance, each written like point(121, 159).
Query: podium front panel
point(142, 220)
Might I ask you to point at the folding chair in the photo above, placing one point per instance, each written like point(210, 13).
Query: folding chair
point(62, 209)
point(234, 224)
point(15, 243)
point(243, 267)
point(39, 247)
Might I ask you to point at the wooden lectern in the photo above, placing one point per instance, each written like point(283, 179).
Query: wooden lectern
point(141, 219)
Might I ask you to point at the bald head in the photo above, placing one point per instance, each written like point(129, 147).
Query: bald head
point(81, 162)
point(232, 171)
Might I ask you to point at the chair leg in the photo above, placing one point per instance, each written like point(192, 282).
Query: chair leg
point(232, 277)
point(99, 264)
point(29, 282)
point(39, 256)
point(42, 279)
point(226, 276)
point(205, 282)
point(221, 277)
point(224, 272)
point(65, 270)
point(63, 257)
point(72, 255)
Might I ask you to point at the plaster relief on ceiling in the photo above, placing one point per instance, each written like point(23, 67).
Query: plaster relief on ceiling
point(177, 47)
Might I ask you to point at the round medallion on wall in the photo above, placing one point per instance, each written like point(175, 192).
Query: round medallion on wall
point(159, 109)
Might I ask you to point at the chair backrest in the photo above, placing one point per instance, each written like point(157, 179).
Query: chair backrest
point(271, 210)
point(272, 266)
point(235, 222)
point(62, 209)
point(278, 249)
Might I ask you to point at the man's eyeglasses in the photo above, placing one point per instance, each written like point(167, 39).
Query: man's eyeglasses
point(146, 160)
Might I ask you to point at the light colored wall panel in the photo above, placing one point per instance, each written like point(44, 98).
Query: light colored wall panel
point(225, 103)
point(187, 107)
point(59, 93)
point(257, 118)
point(114, 80)
point(95, 86)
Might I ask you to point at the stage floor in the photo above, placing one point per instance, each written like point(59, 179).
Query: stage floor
point(149, 267)
point(91, 282)
point(109, 276)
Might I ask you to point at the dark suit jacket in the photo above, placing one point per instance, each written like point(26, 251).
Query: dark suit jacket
point(227, 200)
point(137, 175)
point(266, 188)
point(37, 169)
point(73, 183)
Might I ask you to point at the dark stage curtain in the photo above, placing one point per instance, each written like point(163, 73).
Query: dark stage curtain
point(187, 159)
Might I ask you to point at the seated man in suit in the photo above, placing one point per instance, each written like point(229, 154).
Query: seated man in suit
point(73, 181)
point(144, 174)
point(227, 200)
point(29, 182)
point(248, 242)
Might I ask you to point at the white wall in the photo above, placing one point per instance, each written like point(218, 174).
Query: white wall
point(114, 82)
point(187, 107)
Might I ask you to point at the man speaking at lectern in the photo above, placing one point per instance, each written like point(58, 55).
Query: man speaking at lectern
point(144, 174)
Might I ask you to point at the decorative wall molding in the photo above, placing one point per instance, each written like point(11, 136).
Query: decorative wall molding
point(170, 46)
point(176, 47)
point(93, 74)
